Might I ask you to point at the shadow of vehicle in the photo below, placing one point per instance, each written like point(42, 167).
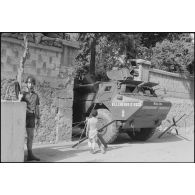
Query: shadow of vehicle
point(123, 138)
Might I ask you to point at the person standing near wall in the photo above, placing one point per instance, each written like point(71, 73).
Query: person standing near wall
point(32, 114)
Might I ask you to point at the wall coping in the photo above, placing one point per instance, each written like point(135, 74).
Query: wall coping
point(39, 46)
point(71, 44)
point(171, 74)
point(142, 62)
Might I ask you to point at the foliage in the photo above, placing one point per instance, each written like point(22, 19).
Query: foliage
point(175, 54)
point(149, 40)
point(172, 52)
point(111, 49)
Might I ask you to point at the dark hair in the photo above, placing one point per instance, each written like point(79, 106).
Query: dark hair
point(94, 113)
point(31, 79)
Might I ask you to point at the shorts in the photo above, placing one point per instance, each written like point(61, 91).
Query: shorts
point(30, 121)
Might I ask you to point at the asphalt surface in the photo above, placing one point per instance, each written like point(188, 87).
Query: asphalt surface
point(170, 148)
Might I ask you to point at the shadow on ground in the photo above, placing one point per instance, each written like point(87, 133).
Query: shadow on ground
point(55, 153)
point(59, 153)
point(123, 138)
point(63, 152)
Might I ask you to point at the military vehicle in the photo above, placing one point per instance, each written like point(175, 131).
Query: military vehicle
point(128, 105)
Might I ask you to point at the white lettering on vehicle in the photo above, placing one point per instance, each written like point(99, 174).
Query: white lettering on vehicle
point(158, 104)
point(123, 113)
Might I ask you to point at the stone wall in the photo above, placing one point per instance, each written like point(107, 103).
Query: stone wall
point(53, 69)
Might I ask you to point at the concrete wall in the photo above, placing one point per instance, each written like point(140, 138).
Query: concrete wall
point(53, 69)
point(169, 84)
point(13, 118)
point(172, 84)
point(177, 89)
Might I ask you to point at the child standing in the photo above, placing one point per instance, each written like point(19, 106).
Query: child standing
point(91, 132)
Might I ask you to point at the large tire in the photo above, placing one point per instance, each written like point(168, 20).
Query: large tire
point(142, 135)
point(109, 133)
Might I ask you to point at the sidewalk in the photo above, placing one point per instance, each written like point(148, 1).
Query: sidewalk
point(63, 152)
point(167, 149)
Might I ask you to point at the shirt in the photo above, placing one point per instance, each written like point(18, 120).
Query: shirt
point(92, 127)
point(32, 100)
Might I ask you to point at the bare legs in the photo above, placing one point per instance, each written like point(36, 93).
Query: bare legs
point(30, 136)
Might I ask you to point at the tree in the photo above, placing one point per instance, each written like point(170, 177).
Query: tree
point(102, 51)
point(173, 52)
point(149, 40)
point(174, 56)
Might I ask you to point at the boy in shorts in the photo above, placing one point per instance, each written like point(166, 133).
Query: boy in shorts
point(32, 114)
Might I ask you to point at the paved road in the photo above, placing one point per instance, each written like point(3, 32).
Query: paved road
point(166, 149)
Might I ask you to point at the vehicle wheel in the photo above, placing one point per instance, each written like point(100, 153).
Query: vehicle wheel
point(142, 135)
point(110, 132)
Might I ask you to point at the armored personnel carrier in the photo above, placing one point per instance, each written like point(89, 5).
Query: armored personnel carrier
point(127, 105)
